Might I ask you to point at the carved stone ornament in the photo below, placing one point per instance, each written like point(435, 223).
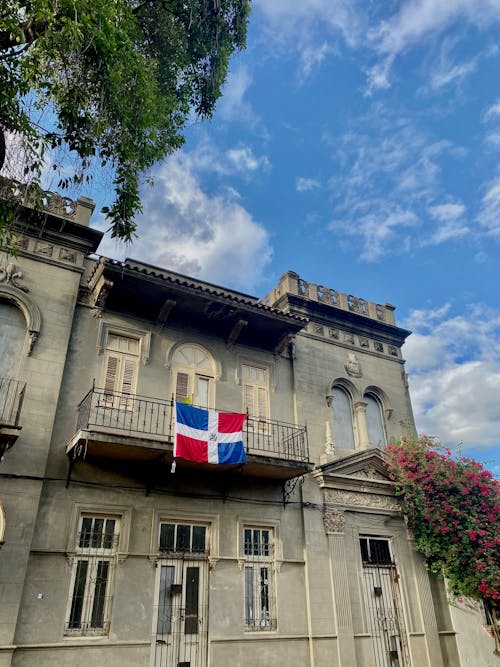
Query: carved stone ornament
point(371, 500)
point(370, 473)
point(10, 276)
point(352, 366)
point(333, 520)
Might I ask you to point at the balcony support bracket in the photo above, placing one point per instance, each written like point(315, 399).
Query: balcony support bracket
point(289, 488)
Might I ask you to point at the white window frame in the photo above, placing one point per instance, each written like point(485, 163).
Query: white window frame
point(95, 553)
point(258, 398)
point(193, 375)
point(118, 392)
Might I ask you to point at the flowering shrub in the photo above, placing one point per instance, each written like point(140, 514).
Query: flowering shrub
point(453, 509)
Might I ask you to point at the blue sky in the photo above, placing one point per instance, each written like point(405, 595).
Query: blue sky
point(358, 144)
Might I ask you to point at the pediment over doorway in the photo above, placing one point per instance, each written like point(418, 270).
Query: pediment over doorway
point(367, 465)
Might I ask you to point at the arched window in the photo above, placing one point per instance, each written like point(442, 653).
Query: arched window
point(13, 333)
point(343, 433)
point(193, 374)
point(375, 421)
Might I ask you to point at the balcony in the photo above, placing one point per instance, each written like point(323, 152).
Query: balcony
point(11, 403)
point(141, 429)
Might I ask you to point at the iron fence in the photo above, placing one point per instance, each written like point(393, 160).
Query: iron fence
point(153, 418)
point(11, 401)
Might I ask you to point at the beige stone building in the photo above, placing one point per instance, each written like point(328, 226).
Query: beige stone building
point(297, 558)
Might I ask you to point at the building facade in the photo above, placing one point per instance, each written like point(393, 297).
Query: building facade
point(111, 554)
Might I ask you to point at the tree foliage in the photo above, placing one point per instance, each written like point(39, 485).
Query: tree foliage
point(453, 509)
point(120, 77)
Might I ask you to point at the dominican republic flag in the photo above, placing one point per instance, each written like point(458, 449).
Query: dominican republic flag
point(208, 436)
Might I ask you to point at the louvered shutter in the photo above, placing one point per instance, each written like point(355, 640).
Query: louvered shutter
point(249, 399)
point(111, 374)
point(127, 384)
point(262, 402)
point(182, 387)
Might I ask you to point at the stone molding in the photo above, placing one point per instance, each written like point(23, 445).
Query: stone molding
point(362, 499)
point(29, 309)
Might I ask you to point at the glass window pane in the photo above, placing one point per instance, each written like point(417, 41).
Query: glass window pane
point(265, 543)
point(167, 537)
point(97, 532)
point(374, 422)
point(249, 615)
point(85, 532)
point(183, 539)
point(192, 595)
point(248, 541)
point(101, 583)
point(342, 419)
point(75, 617)
point(202, 391)
point(164, 626)
point(199, 539)
point(109, 533)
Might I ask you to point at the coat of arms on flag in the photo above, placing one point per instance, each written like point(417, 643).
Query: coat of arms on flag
point(208, 436)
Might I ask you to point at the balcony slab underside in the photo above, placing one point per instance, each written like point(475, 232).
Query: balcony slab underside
point(108, 443)
point(9, 434)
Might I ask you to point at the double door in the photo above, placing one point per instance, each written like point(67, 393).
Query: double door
point(181, 614)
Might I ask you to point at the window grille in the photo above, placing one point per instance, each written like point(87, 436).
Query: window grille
point(91, 585)
point(183, 538)
point(260, 603)
point(375, 551)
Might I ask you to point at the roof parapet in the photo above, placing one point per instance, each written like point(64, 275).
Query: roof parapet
point(79, 210)
point(292, 283)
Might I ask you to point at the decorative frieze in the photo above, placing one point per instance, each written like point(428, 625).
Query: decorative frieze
point(44, 248)
point(363, 342)
point(361, 499)
point(67, 255)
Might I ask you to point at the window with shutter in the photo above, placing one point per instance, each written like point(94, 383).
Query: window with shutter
point(182, 387)
point(255, 391)
point(121, 364)
point(193, 373)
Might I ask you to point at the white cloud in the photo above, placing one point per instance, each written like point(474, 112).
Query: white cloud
point(233, 105)
point(454, 367)
point(243, 159)
point(450, 223)
point(312, 57)
point(385, 188)
point(306, 184)
point(417, 19)
point(211, 236)
point(299, 20)
point(492, 111)
point(489, 214)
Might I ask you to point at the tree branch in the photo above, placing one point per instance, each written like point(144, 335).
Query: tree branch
point(30, 30)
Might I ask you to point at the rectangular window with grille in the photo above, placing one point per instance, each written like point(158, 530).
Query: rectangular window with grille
point(260, 602)
point(183, 538)
point(375, 551)
point(91, 585)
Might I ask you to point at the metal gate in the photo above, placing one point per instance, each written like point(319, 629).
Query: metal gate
point(181, 613)
point(385, 615)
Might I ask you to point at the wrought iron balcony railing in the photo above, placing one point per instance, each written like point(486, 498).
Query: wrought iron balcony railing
point(11, 402)
point(153, 419)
